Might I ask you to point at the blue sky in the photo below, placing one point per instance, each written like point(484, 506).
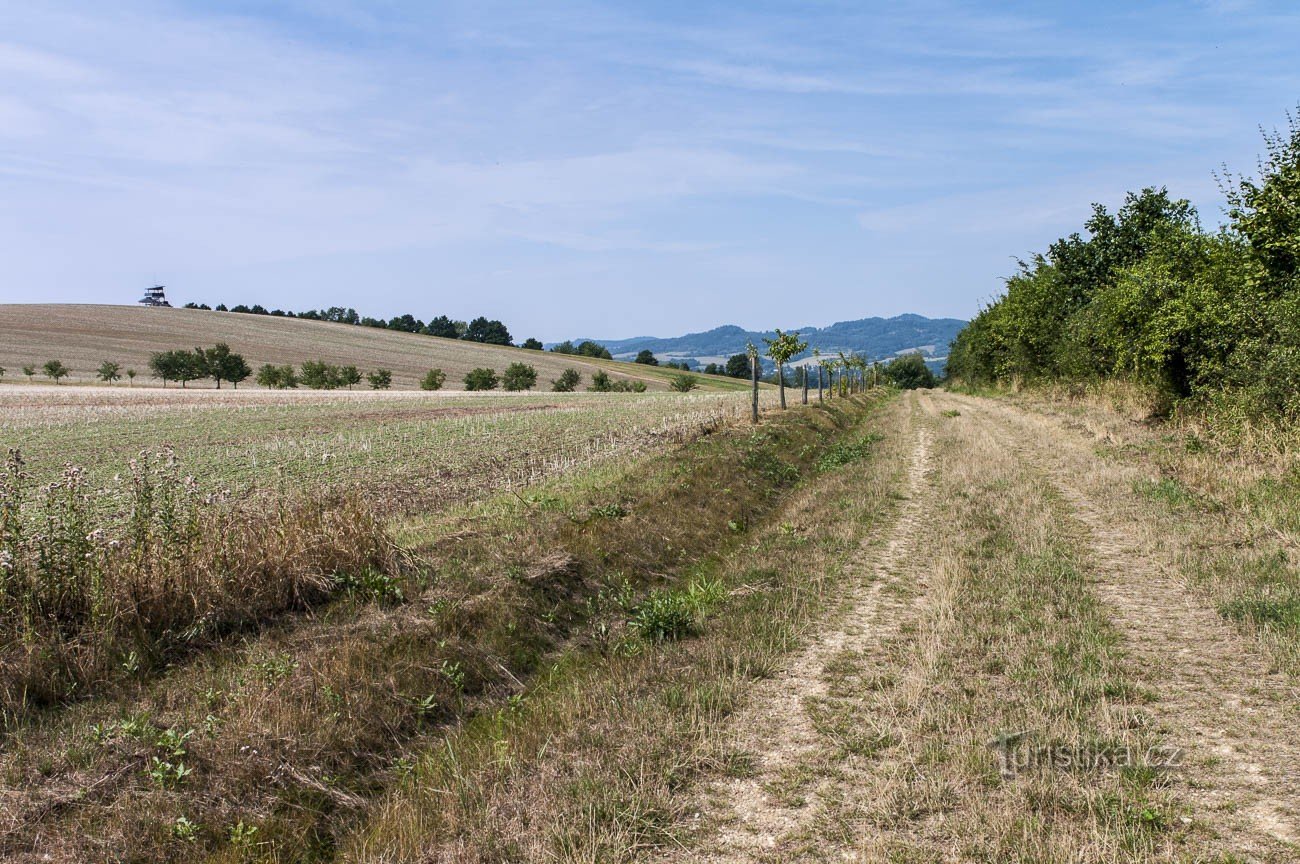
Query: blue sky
point(604, 169)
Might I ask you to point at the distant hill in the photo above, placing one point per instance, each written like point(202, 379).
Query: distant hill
point(878, 338)
point(83, 336)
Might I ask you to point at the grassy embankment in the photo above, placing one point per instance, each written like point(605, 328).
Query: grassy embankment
point(275, 743)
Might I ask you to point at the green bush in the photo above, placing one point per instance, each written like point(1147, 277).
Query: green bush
point(567, 382)
point(481, 379)
point(433, 380)
point(519, 376)
point(380, 379)
point(683, 383)
point(600, 382)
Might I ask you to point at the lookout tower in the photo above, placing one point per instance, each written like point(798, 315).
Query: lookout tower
point(154, 297)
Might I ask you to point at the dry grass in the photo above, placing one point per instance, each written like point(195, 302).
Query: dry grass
point(295, 728)
point(83, 336)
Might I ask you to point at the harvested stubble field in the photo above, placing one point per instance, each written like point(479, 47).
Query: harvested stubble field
point(398, 449)
point(83, 336)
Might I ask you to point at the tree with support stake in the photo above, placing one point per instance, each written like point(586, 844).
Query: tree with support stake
point(753, 374)
point(781, 349)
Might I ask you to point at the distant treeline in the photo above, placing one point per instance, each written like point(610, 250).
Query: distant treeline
point(1147, 296)
point(486, 330)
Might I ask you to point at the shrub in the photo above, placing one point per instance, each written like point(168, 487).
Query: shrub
point(600, 382)
point(277, 377)
point(29, 371)
point(380, 379)
point(55, 369)
point(684, 383)
point(567, 382)
point(664, 617)
point(433, 380)
point(519, 376)
point(481, 379)
point(319, 375)
point(647, 357)
point(349, 375)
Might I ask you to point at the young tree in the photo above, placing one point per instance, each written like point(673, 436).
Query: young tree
point(532, 344)
point(433, 380)
point(782, 349)
point(380, 379)
point(2, 372)
point(29, 371)
point(751, 351)
point(277, 377)
point(225, 365)
point(193, 365)
point(130, 377)
point(349, 375)
point(600, 382)
point(56, 370)
point(647, 357)
point(163, 365)
point(519, 376)
point(109, 372)
point(567, 382)
point(481, 379)
point(683, 383)
point(319, 375)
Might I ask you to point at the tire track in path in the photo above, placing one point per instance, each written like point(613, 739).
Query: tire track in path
point(1216, 695)
point(778, 731)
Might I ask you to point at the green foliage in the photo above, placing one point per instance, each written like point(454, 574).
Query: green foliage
point(909, 372)
point(684, 382)
point(29, 370)
point(567, 382)
point(584, 349)
point(380, 379)
point(179, 365)
point(519, 376)
point(108, 372)
point(1150, 298)
point(738, 366)
point(846, 452)
point(56, 370)
point(433, 380)
point(531, 344)
point(782, 349)
point(222, 364)
point(319, 375)
point(349, 376)
point(600, 382)
point(481, 379)
point(277, 377)
point(488, 332)
point(646, 357)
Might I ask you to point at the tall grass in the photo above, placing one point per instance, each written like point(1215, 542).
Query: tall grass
point(81, 606)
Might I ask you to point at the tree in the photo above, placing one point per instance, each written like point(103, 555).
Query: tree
point(277, 377)
point(319, 375)
point(130, 376)
point(567, 382)
point(406, 323)
point(737, 366)
point(565, 347)
point(29, 371)
point(488, 332)
point(600, 382)
point(225, 365)
point(2, 372)
point(433, 380)
point(444, 328)
point(647, 357)
point(909, 372)
point(684, 382)
point(481, 379)
point(519, 376)
point(175, 365)
point(56, 370)
point(531, 344)
point(349, 375)
point(593, 349)
point(782, 349)
point(380, 379)
point(109, 372)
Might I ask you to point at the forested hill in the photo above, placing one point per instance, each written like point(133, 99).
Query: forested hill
point(875, 337)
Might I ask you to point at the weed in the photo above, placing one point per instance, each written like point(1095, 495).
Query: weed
point(184, 829)
point(843, 454)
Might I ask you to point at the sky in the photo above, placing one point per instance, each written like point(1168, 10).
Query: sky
point(605, 169)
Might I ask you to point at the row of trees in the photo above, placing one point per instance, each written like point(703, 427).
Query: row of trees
point(488, 331)
point(218, 363)
point(1145, 295)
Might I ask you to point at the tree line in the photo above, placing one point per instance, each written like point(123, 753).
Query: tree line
point(1210, 319)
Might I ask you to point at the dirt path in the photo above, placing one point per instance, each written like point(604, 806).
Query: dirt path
point(780, 733)
point(1024, 585)
point(1214, 693)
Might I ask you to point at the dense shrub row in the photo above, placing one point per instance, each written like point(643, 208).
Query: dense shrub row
point(1149, 297)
